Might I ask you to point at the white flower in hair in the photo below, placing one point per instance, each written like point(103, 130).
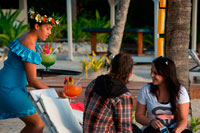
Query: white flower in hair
point(50, 19)
point(32, 13)
point(57, 22)
point(38, 18)
point(42, 19)
point(32, 16)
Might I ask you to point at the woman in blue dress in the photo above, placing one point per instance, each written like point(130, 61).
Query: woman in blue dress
point(20, 68)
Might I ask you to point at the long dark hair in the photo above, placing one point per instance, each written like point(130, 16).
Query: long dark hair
point(122, 65)
point(167, 69)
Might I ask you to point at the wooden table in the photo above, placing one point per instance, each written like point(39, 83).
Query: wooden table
point(58, 84)
point(133, 86)
point(54, 72)
point(139, 33)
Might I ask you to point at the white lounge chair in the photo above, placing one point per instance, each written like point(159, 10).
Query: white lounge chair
point(195, 70)
point(56, 113)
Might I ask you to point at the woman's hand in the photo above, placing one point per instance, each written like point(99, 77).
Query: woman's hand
point(156, 124)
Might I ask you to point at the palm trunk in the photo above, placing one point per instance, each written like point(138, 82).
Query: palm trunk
point(178, 36)
point(118, 30)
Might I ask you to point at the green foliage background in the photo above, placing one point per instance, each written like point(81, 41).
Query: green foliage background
point(10, 28)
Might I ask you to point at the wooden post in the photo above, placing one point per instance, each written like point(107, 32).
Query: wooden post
point(93, 42)
point(140, 43)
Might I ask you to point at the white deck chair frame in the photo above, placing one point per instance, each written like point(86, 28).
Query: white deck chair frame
point(194, 71)
point(56, 113)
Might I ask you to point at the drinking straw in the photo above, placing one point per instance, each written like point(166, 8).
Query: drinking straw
point(55, 50)
point(40, 48)
point(78, 81)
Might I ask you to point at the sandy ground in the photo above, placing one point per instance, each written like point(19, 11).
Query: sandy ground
point(141, 73)
point(13, 126)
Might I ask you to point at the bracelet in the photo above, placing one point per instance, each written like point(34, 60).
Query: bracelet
point(151, 121)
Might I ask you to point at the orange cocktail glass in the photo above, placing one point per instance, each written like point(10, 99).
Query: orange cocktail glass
point(72, 90)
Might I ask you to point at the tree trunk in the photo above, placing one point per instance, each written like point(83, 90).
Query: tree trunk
point(118, 30)
point(178, 36)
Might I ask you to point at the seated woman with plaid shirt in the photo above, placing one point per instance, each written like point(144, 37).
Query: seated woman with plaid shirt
point(108, 103)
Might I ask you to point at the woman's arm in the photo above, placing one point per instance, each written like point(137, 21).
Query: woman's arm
point(182, 117)
point(31, 73)
point(140, 114)
point(141, 118)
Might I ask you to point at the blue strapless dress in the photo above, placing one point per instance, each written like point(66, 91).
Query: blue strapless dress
point(14, 100)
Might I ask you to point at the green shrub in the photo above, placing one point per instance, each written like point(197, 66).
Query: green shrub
point(77, 27)
point(56, 32)
point(86, 21)
point(195, 124)
point(99, 22)
point(10, 28)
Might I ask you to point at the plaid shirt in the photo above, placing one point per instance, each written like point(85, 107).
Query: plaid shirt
point(107, 114)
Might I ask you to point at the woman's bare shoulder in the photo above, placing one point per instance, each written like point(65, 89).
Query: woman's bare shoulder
point(27, 41)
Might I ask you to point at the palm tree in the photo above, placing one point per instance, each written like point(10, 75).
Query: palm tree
point(178, 36)
point(117, 32)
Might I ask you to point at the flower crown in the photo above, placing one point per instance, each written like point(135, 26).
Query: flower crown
point(42, 19)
